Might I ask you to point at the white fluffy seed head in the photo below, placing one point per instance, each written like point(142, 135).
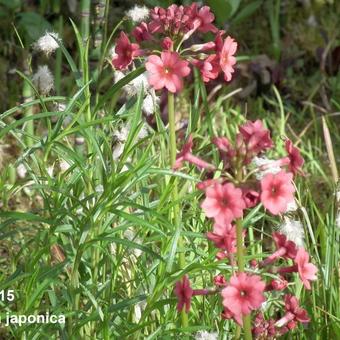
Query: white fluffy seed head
point(291, 207)
point(261, 161)
point(337, 220)
point(64, 166)
point(21, 171)
point(138, 13)
point(204, 335)
point(48, 43)
point(117, 151)
point(136, 85)
point(293, 230)
point(43, 80)
point(150, 104)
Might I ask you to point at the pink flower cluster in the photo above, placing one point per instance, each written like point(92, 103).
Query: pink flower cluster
point(163, 43)
point(243, 184)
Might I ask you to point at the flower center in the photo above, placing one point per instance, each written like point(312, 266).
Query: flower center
point(167, 70)
point(224, 202)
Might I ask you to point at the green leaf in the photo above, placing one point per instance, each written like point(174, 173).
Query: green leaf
point(247, 11)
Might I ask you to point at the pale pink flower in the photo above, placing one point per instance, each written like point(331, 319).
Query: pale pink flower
point(243, 294)
point(277, 191)
point(224, 237)
point(167, 71)
point(224, 203)
point(227, 59)
point(307, 271)
point(184, 294)
point(125, 52)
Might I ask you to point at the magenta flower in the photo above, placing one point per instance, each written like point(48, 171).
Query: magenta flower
point(167, 71)
point(277, 284)
point(250, 197)
point(186, 155)
point(184, 294)
point(293, 314)
point(125, 52)
point(277, 191)
point(263, 329)
point(224, 203)
point(227, 59)
point(243, 294)
point(256, 137)
point(284, 248)
point(295, 159)
point(220, 281)
point(307, 271)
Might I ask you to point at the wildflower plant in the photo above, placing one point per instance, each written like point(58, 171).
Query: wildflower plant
point(231, 191)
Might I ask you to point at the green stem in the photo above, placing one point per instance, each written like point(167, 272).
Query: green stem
point(176, 212)
point(240, 261)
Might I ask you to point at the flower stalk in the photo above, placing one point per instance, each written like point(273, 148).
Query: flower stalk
point(176, 212)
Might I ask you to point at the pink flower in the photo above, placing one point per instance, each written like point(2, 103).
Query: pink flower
point(250, 197)
point(184, 294)
point(228, 314)
point(208, 67)
point(243, 294)
point(224, 237)
point(167, 44)
point(186, 155)
point(277, 284)
point(205, 184)
point(295, 159)
point(307, 271)
point(205, 18)
point(277, 191)
point(224, 203)
point(263, 329)
point(284, 248)
point(167, 71)
point(227, 59)
point(256, 137)
point(125, 51)
point(293, 313)
point(141, 32)
point(219, 280)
